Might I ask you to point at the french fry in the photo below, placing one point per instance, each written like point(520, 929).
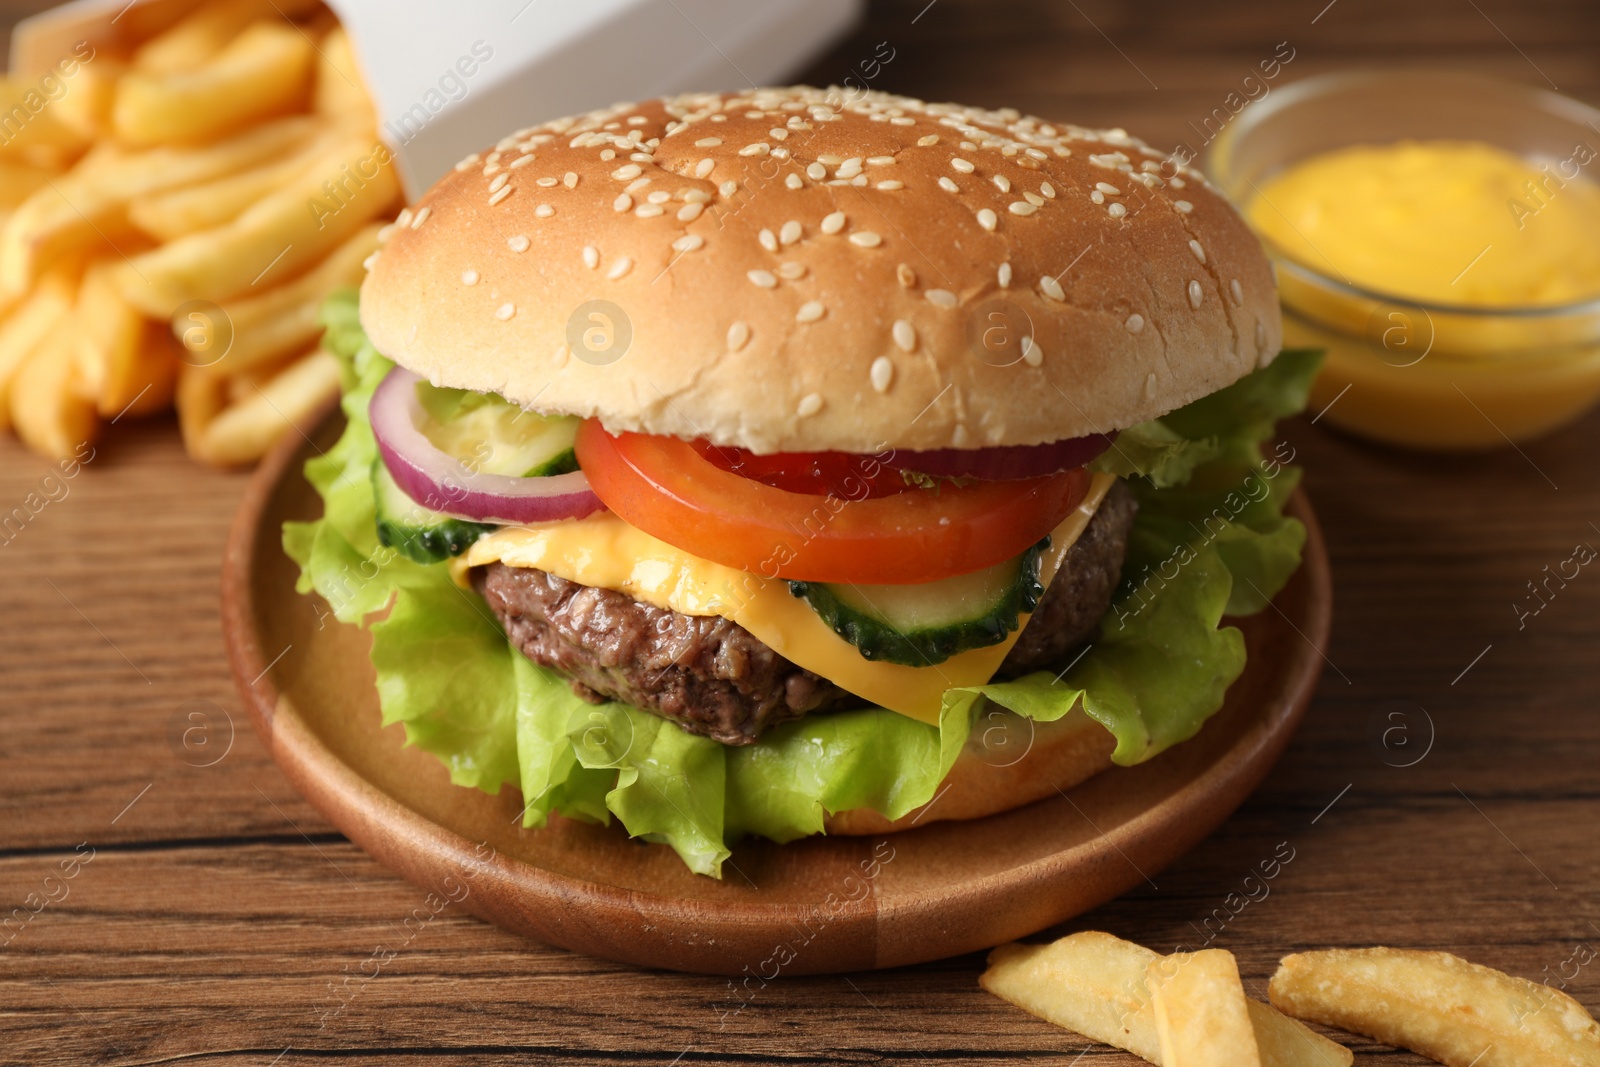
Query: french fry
point(174, 213)
point(200, 398)
point(125, 360)
point(283, 320)
point(294, 227)
point(263, 71)
point(18, 181)
point(47, 408)
point(196, 38)
point(87, 207)
point(1439, 1005)
point(1200, 1010)
point(1094, 983)
point(28, 121)
point(340, 92)
point(28, 325)
point(91, 91)
point(290, 401)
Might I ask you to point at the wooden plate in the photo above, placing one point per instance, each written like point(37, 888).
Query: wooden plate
point(817, 905)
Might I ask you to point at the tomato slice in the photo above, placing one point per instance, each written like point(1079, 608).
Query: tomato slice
point(666, 488)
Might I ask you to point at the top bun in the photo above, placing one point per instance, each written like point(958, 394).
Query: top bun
point(804, 269)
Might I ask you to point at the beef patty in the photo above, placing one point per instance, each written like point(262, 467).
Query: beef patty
point(713, 677)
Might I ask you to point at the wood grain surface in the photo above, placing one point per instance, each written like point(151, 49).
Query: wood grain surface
point(220, 921)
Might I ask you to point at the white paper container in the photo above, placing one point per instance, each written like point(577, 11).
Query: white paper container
point(530, 60)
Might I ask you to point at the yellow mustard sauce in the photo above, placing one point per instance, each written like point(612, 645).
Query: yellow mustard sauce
point(1479, 262)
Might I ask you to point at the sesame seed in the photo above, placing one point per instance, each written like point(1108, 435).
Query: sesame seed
point(523, 161)
point(690, 212)
point(1108, 188)
point(1182, 205)
point(591, 256)
point(570, 179)
point(1097, 197)
point(1199, 253)
point(1261, 336)
point(778, 133)
point(809, 404)
point(1178, 183)
point(768, 240)
point(635, 185)
point(627, 173)
point(547, 182)
point(763, 278)
point(891, 185)
point(962, 165)
point(833, 222)
point(902, 120)
point(1002, 183)
point(1004, 275)
point(517, 243)
point(386, 232)
point(882, 374)
point(660, 196)
point(622, 203)
point(1032, 354)
point(1021, 207)
point(469, 277)
point(622, 266)
point(816, 172)
point(849, 168)
point(372, 260)
point(728, 188)
point(505, 311)
point(1237, 291)
point(688, 242)
point(905, 275)
point(880, 161)
point(1117, 210)
point(865, 239)
point(493, 200)
point(942, 297)
point(708, 142)
point(759, 148)
point(793, 181)
point(1135, 323)
point(789, 233)
point(988, 219)
point(704, 167)
point(928, 141)
point(543, 211)
point(1033, 198)
point(948, 186)
point(791, 271)
point(810, 311)
point(1195, 293)
point(1048, 190)
point(738, 335)
point(695, 196)
point(422, 216)
point(905, 335)
point(1051, 288)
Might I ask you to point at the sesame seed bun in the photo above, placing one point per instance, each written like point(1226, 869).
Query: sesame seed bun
point(804, 269)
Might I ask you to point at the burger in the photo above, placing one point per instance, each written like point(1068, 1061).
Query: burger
point(799, 461)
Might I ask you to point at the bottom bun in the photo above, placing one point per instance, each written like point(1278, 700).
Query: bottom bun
point(1008, 761)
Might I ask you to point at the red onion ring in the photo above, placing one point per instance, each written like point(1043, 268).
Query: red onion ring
point(441, 482)
point(1005, 463)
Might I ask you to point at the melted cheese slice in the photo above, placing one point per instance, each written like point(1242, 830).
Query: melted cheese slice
point(605, 552)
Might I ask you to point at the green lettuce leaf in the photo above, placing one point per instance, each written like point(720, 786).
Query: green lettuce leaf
point(1210, 540)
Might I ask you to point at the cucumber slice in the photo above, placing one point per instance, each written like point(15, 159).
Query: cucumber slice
point(418, 534)
point(920, 625)
point(491, 435)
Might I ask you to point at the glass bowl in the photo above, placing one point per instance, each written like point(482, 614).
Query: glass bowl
point(1402, 371)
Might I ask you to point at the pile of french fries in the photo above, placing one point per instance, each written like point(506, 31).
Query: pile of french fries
point(1189, 1009)
point(172, 215)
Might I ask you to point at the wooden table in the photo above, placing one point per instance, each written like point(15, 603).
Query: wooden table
point(220, 920)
